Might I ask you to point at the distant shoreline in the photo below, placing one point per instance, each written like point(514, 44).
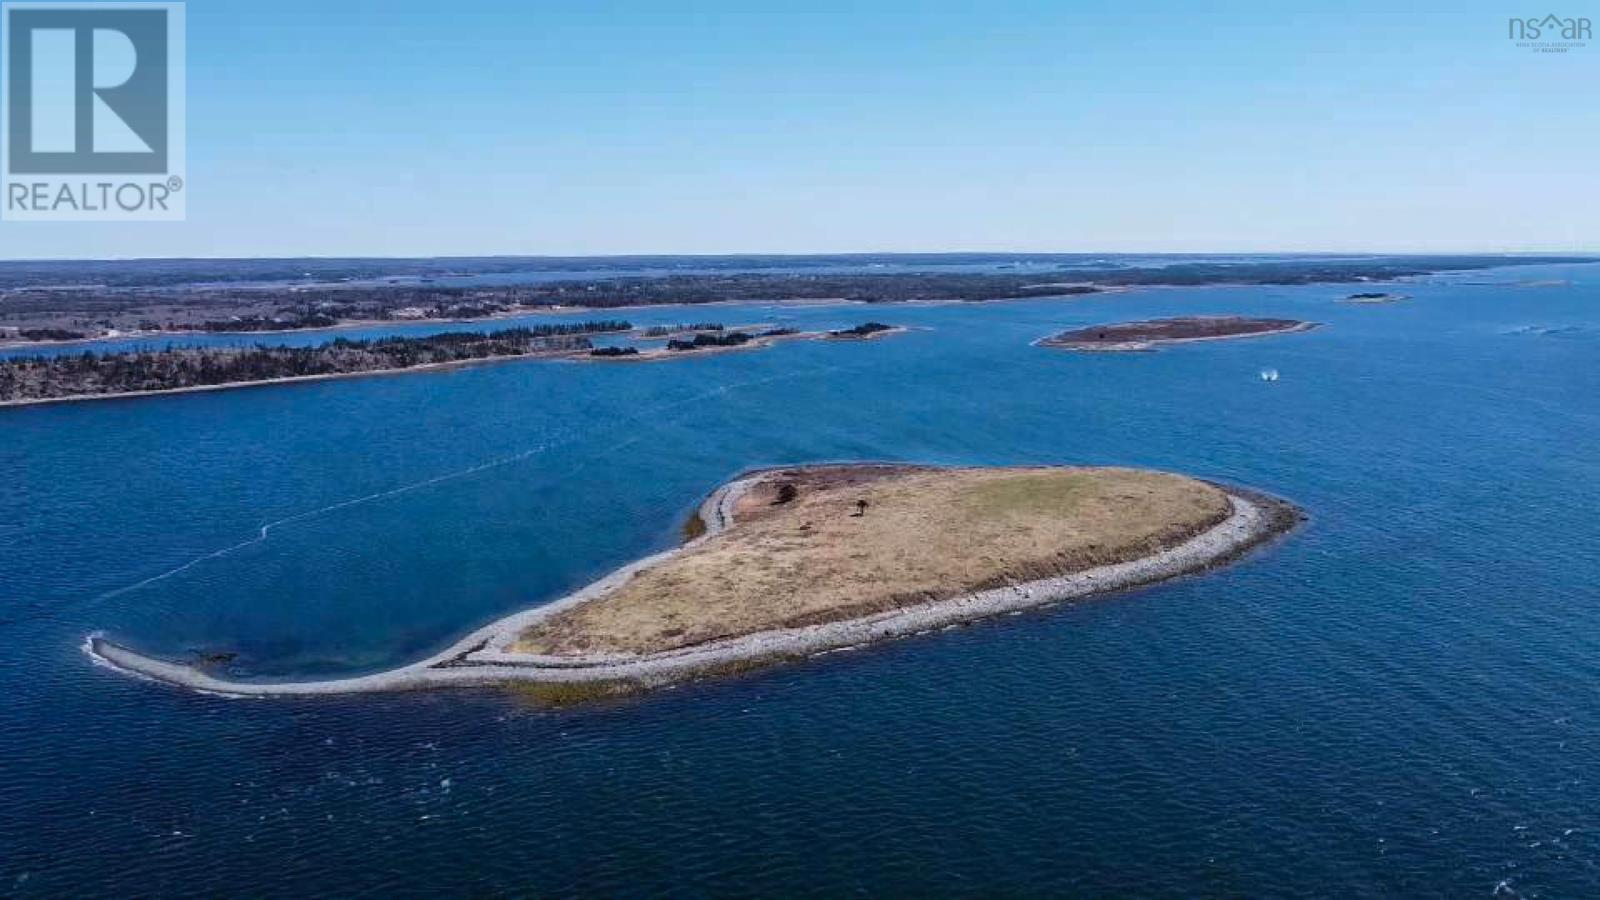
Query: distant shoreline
point(799, 302)
point(176, 336)
point(187, 306)
point(292, 379)
point(580, 356)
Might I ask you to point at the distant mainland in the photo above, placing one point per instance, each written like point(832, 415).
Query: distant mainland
point(49, 302)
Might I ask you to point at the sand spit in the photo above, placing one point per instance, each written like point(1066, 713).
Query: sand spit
point(486, 656)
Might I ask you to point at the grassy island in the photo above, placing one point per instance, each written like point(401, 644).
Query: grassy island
point(818, 545)
point(788, 563)
point(1150, 333)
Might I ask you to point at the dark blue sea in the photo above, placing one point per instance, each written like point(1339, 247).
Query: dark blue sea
point(1402, 699)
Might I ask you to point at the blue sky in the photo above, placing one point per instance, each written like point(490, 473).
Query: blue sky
point(399, 127)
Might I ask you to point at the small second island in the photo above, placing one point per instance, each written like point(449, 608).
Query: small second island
point(1124, 337)
point(1374, 298)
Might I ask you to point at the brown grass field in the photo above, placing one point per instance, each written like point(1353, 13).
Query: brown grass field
point(925, 534)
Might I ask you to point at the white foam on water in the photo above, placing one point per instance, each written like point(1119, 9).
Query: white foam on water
point(264, 531)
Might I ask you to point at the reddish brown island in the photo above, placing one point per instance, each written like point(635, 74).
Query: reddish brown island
point(1148, 334)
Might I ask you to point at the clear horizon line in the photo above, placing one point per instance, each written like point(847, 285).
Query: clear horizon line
point(1584, 253)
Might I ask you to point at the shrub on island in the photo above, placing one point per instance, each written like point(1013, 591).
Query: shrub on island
point(863, 330)
point(703, 340)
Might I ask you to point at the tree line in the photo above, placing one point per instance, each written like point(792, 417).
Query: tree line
point(177, 367)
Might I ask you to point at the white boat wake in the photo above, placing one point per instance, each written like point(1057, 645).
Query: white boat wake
point(265, 530)
point(489, 656)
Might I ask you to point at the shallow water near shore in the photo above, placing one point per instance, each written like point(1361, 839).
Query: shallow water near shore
point(1399, 699)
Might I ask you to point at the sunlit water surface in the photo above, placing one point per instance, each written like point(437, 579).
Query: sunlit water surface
point(1402, 699)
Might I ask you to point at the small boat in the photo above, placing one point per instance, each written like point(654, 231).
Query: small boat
point(1269, 374)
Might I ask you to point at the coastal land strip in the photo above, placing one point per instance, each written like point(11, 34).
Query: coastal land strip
point(52, 303)
point(794, 562)
point(33, 381)
point(691, 344)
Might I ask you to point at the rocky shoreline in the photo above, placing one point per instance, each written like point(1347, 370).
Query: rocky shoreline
point(485, 657)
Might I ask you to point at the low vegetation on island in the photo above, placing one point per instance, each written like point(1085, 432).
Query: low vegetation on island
point(1148, 334)
point(838, 542)
point(661, 331)
point(864, 330)
point(721, 338)
point(704, 339)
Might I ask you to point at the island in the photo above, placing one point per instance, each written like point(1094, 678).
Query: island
point(709, 340)
point(722, 339)
point(1370, 298)
point(1146, 335)
point(784, 564)
point(866, 331)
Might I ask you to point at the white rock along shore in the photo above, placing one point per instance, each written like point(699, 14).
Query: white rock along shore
point(484, 657)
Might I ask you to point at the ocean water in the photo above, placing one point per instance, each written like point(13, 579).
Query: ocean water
point(1403, 699)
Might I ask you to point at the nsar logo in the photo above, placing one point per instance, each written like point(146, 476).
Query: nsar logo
point(1551, 34)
